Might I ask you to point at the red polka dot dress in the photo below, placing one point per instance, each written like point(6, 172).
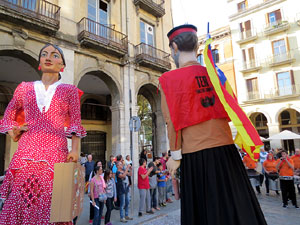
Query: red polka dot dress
point(27, 187)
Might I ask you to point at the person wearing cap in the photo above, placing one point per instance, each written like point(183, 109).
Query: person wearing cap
point(36, 118)
point(213, 178)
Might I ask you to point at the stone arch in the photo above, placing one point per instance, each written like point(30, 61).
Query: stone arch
point(149, 91)
point(266, 114)
point(111, 82)
point(285, 108)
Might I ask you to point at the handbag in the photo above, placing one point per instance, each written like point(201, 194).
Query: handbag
point(102, 197)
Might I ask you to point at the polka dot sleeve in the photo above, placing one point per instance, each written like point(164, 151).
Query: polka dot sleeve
point(75, 127)
point(15, 105)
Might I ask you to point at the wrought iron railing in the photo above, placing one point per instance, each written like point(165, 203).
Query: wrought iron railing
point(40, 9)
point(246, 34)
point(150, 53)
point(101, 33)
point(274, 92)
point(279, 58)
point(276, 24)
point(250, 64)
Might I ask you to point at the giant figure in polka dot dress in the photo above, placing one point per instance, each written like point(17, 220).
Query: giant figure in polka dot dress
point(46, 106)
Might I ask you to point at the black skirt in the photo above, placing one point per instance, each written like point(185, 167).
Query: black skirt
point(215, 189)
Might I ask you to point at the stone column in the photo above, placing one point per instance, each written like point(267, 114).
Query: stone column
point(117, 120)
point(274, 129)
point(162, 143)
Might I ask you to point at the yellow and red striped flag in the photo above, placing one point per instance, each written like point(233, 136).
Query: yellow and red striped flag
point(247, 137)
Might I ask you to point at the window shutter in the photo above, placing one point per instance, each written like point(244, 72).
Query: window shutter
point(292, 77)
point(278, 15)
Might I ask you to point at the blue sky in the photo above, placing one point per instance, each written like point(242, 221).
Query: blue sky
point(199, 12)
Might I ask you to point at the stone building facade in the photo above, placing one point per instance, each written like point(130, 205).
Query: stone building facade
point(266, 37)
point(114, 51)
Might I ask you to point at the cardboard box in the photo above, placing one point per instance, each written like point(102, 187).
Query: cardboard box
point(68, 192)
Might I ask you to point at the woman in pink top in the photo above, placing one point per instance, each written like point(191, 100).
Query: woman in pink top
point(97, 187)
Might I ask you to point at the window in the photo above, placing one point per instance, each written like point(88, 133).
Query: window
point(147, 33)
point(274, 18)
point(284, 82)
point(248, 57)
point(92, 110)
point(279, 47)
point(261, 120)
point(285, 118)
point(245, 29)
point(242, 5)
point(215, 55)
point(252, 88)
point(298, 117)
point(200, 59)
point(98, 11)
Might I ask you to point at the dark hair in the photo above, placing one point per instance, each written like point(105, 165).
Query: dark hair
point(119, 157)
point(141, 161)
point(163, 154)
point(97, 163)
point(156, 158)
point(187, 41)
point(159, 164)
point(96, 169)
point(60, 52)
point(106, 175)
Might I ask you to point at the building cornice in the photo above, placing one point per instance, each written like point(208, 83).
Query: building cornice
point(254, 9)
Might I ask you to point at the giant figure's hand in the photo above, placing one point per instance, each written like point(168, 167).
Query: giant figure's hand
point(172, 166)
point(72, 156)
point(17, 132)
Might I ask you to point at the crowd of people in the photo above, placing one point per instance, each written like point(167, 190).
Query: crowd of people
point(110, 186)
point(280, 171)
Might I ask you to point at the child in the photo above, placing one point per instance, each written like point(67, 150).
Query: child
point(111, 193)
point(161, 184)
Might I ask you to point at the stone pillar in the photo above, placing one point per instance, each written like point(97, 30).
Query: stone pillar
point(274, 129)
point(161, 134)
point(117, 120)
point(68, 75)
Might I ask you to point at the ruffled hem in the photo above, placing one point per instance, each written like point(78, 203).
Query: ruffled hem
point(5, 126)
point(79, 131)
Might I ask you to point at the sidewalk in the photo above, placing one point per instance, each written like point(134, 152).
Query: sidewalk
point(166, 216)
point(271, 205)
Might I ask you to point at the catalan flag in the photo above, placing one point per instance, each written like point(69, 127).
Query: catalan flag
point(247, 137)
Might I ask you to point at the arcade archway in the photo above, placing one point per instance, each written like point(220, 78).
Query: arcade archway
point(260, 122)
point(99, 94)
point(289, 119)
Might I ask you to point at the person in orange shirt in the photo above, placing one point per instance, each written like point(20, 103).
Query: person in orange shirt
point(269, 166)
point(296, 160)
point(285, 166)
point(251, 165)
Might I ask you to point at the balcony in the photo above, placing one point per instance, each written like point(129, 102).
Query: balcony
point(276, 27)
point(250, 66)
point(154, 7)
point(246, 36)
point(283, 92)
point(253, 96)
point(101, 37)
point(36, 14)
point(281, 59)
point(151, 57)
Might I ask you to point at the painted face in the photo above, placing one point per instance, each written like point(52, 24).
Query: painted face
point(175, 57)
point(51, 60)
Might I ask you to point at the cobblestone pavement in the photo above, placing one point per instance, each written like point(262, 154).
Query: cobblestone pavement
point(271, 205)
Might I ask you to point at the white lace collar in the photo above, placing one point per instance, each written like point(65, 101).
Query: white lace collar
point(43, 97)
